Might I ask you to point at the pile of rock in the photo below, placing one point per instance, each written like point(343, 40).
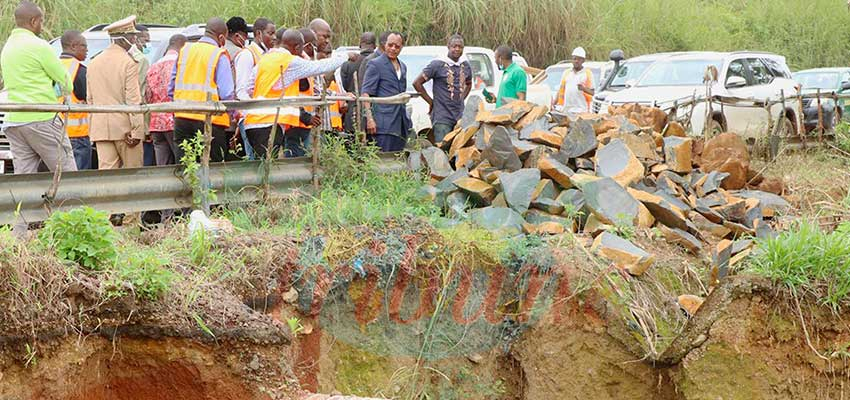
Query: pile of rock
point(519, 169)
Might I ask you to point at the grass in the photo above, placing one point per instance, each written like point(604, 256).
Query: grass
point(808, 261)
point(809, 33)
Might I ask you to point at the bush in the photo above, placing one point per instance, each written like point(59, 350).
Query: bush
point(144, 271)
point(808, 260)
point(82, 235)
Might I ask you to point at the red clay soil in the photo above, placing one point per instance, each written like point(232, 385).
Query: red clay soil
point(149, 369)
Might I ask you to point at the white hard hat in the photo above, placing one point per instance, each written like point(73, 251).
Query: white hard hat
point(579, 52)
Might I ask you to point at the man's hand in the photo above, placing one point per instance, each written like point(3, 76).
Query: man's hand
point(583, 88)
point(131, 141)
point(316, 120)
point(371, 127)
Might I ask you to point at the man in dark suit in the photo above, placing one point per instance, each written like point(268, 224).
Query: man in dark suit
point(387, 124)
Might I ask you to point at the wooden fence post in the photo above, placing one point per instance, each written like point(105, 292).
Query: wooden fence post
point(205, 162)
point(820, 119)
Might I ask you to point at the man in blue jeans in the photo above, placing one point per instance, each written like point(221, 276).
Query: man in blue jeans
point(452, 76)
point(74, 52)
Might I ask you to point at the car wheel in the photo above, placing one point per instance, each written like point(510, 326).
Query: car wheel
point(713, 128)
point(787, 128)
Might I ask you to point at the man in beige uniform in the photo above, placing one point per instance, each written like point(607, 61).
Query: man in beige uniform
point(113, 78)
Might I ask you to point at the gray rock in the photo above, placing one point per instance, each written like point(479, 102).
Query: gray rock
point(447, 184)
point(456, 205)
point(673, 199)
point(540, 124)
point(583, 163)
point(741, 245)
point(623, 253)
point(580, 139)
point(682, 238)
point(497, 219)
point(414, 161)
point(437, 162)
point(523, 148)
point(549, 206)
point(519, 186)
point(500, 151)
point(609, 201)
point(627, 126)
point(709, 214)
point(470, 111)
point(537, 217)
point(712, 200)
point(572, 196)
point(712, 183)
point(615, 160)
point(766, 199)
point(677, 179)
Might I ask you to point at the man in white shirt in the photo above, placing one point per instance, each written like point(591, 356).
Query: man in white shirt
point(576, 90)
point(243, 67)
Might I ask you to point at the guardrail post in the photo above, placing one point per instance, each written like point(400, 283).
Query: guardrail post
point(820, 119)
point(801, 127)
point(205, 163)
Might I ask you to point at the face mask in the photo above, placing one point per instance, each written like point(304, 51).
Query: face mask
point(146, 50)
point(134, 51)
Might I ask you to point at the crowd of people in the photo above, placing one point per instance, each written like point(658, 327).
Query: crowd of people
point(225, 65)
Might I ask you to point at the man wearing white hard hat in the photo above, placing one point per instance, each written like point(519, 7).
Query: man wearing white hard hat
point(576, 90)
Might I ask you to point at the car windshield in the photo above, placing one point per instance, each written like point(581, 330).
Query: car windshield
point(677, 72)
point(96, 46)
point(629, 71)
point(818, 80)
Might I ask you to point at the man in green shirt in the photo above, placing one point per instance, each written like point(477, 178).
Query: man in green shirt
point(30, 69)
point(514, 83)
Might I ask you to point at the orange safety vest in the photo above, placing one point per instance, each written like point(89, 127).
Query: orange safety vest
point(267, 86)
point(78, 123)
point(336, 115)
point(304, 93)
point(588, 81)
point(196, 67)
point(256, 52)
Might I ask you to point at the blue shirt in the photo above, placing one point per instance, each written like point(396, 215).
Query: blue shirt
point(223, 75)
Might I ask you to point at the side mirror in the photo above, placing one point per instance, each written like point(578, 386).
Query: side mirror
point(845, 85)
point(735, 82)
point(616, 55)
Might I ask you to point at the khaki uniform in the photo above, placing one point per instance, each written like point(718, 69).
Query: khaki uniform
point(113, 78)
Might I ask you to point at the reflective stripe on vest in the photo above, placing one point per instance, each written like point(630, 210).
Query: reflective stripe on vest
point(195, 79)
point(267, 87)
point(333, 109)
point(77, 123)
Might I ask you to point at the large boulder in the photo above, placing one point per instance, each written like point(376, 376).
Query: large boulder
point(499, 151)
point(437, 162)
point(615, 160)
point(519, 187)
point(728, 153)
point(580, 139)
point(609, 201)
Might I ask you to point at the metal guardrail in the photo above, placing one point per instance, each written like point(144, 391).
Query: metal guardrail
point(153, 188)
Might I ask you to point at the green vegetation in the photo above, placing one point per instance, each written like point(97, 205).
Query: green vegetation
point(144, 271)
point(82, 235)
point(809, 33)
point(192, 151)
point(808, 261)
point(353, 192)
